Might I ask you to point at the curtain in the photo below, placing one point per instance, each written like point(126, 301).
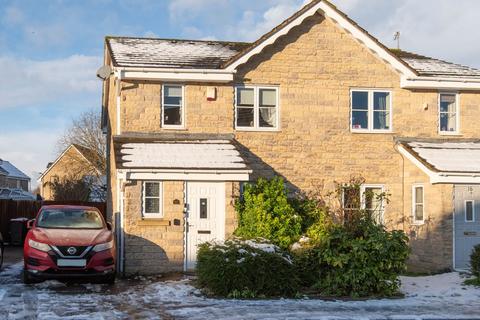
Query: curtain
point(268, 115)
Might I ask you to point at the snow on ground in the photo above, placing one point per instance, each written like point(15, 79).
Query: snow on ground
point(434, 297)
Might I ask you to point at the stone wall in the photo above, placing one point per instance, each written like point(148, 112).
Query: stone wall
point(157, 245)
point(315, 66)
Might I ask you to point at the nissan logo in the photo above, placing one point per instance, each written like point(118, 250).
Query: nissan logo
point(71, 251)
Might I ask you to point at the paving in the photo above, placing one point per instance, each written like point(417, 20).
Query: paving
point(435, 297)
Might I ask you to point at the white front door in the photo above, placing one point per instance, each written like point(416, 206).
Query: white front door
point(206, 216)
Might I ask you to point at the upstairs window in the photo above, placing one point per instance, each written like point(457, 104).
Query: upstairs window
point(173, 113)
point(371, 111)
point(256, 108)
point(448, 113)
point(418, 204)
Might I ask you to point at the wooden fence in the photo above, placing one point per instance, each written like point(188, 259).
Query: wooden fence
point(11, 209)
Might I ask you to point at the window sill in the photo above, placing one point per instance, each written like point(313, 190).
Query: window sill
point(256, 130)
point(450, 134)
point(372, 132)
point(175, 128)
point(418, 223)
point(153, 222)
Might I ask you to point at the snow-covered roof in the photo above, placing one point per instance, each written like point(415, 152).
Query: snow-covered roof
point(447, 156)
point(426, 66)
point(196, 54)
point(180, 154)
point(171, 53)
point(12, 171)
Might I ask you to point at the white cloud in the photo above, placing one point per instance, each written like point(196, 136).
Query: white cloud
point(438, 28)
point(28, 82)
point(30, 151)
point(250, 29)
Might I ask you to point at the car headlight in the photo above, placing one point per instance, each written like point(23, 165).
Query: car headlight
point(103, 246)
point(39, 246)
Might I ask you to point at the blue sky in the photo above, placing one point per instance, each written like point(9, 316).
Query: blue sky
point(50, 49)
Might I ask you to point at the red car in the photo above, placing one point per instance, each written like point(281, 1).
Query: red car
point(69, 242)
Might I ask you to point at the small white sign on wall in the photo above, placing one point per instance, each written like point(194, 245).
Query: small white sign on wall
point(211, 93)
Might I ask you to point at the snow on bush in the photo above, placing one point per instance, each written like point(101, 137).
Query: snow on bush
point(240, 268)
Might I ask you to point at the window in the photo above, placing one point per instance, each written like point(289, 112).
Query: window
point(256, 108)
point(448, 113)
point(469, 211)
point(371, 111)
point(173, 107)
point(203, 208)
point(367, 197)
point(351, 201)
point(152, 200)
point(372, 201)
point(418, 204)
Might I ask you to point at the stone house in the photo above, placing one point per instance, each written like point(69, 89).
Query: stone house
point(315, 100)
point(12, 178)
point(78, 163)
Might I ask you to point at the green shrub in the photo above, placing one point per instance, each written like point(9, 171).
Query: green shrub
point(363, 261)
point(246, 269)
point(475, 261)
point(265, 212)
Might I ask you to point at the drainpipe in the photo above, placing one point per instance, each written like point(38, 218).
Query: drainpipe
point(185, 224)
point(118, 80)
point(121, 227)
point(403, 185)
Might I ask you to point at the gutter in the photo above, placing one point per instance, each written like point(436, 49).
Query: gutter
point(176, 74)
point(440, 83)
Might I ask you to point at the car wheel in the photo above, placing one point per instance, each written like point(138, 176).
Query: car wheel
point(27, 279)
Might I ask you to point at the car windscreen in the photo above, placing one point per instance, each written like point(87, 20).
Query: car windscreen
point(70, 219)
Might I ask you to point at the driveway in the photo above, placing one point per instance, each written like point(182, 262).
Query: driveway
point(435, 297)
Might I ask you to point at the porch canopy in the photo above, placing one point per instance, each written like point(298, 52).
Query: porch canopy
point(186, 157)
point(445, 161)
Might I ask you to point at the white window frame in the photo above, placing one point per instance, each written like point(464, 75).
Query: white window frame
point(473, 210)
point(371, 111)
point(170, 126)
point(150, 215)
point(414, 203)
point(457, 113)
point(363, 201)
point(256, 108)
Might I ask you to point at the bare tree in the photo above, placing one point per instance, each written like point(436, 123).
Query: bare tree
point(85, 131)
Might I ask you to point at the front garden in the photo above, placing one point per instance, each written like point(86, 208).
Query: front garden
point(305, 245)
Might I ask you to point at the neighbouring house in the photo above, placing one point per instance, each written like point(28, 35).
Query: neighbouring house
point(315, 100)
point(75, 163)
point(12, 178)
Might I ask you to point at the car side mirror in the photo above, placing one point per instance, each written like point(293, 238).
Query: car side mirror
point(30, 223)
point(109, 226)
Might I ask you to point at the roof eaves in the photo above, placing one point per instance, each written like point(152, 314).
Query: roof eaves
point(110, 51)
point(345, 16)
point(298, 14)
point(270, 33)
